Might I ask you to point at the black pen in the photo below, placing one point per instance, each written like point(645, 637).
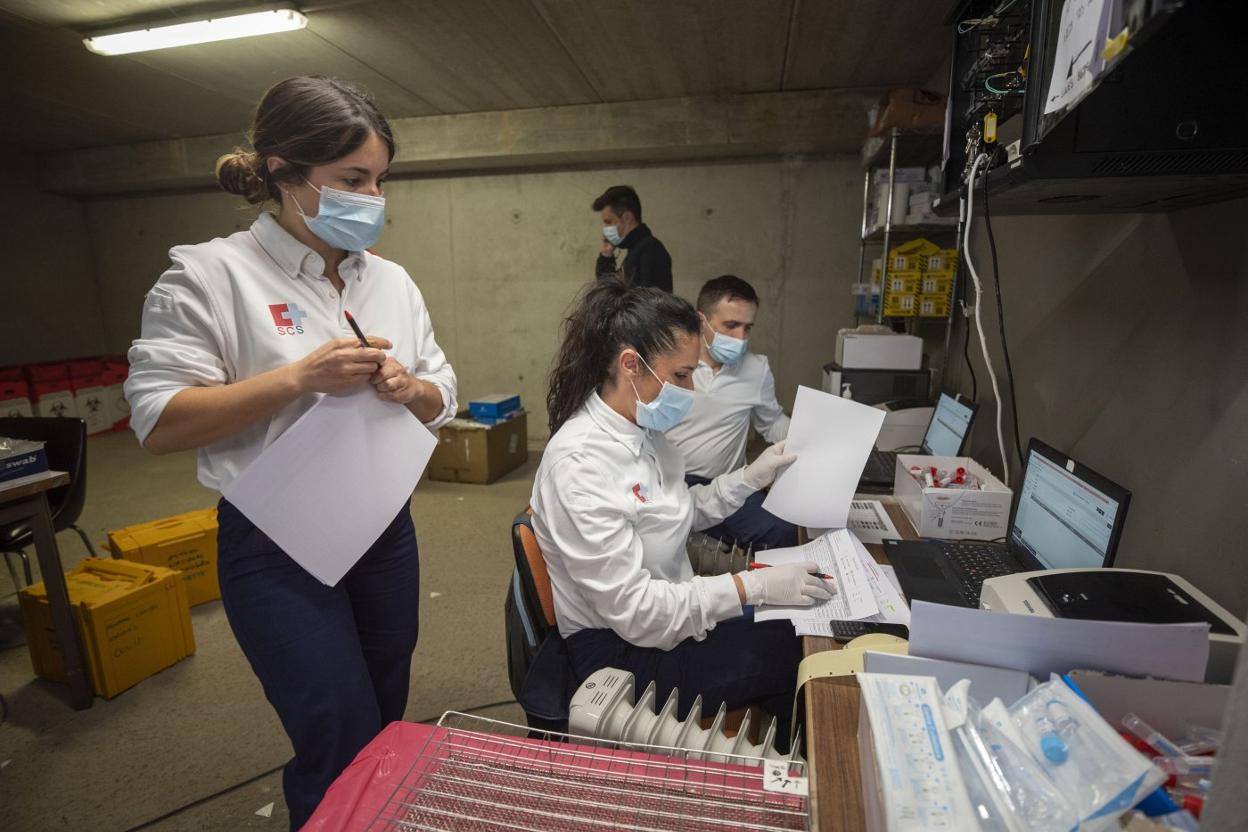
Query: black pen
point(358, 334)
point(356, 329)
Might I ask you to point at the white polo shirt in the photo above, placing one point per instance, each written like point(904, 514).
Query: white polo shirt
point(612, 512)
point(714, 434)
point(242, 305)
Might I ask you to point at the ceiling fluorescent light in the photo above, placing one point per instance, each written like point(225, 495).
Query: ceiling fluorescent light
point(243, 25)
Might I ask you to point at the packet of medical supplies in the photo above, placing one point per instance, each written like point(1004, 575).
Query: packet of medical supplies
point(1083, 755)
point(1007, 788)
point(21, 458)
point(910, 778)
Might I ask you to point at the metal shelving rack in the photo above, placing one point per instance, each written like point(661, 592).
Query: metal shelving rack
point(903, 148)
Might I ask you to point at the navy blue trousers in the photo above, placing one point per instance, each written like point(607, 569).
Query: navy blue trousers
point(751, 523)
point(335, 662)
point(740, 663)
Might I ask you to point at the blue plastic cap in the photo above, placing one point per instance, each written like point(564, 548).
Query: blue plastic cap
point(1054, 748)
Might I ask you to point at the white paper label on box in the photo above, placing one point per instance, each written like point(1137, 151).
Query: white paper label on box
point(778, 778)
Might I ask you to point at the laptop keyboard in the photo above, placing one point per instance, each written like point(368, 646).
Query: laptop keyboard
point(880, 467)
point(974, 563)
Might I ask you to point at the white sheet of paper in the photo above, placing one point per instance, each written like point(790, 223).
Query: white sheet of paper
point(328, 487)
point(832, 438)
point(836, 556)
point(887, 592)
point(1078, 58)
point(1041, 646)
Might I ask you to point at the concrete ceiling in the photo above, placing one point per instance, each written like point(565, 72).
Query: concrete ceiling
point(428, 57)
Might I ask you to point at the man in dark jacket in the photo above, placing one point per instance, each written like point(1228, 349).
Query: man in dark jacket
point(647, 262)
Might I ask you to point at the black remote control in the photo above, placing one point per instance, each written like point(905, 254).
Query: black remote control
point(844, 631)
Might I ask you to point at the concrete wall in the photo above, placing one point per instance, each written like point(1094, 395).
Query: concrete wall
point(1129, 337)
point(49, 295)
point(1128, 331)
point(500, 257)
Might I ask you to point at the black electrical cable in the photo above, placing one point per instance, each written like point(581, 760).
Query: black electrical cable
point(966, 354)
point(966, 333)
point(1005, 345)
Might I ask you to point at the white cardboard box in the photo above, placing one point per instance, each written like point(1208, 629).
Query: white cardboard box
point(1166, 705)
point(94, 409)
point(953, 513)
point(16, 407)
point(60, 403)
point(861, 351)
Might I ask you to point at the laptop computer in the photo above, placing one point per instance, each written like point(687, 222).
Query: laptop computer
point(946, 435)
point(1065, 515)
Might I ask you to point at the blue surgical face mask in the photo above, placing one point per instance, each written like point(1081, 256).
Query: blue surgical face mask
point(668, 408)
point(612, 234)
point(724, 348)
point(346, 220)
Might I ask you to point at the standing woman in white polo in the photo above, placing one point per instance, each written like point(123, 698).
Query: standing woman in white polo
point(240, 336)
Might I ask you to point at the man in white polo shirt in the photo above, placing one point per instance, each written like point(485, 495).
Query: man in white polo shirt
point(733, 389)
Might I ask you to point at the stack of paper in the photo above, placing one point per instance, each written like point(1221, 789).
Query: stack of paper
point(863, 589)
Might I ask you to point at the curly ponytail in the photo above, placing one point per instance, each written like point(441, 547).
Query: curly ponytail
point(240, 172)
point(611, 314)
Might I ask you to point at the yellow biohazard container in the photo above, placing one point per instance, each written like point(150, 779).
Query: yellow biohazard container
point(934, 306)
point(133, 621)
point(899, 305)
point(904, 282)
point(186, 542)
point(934, 283)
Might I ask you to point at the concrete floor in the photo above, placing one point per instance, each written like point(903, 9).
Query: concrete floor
point(197, 746)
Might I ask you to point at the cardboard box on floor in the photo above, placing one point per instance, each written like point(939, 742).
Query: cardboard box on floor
point(133, 620)
point(469, 451)
point(185, 542)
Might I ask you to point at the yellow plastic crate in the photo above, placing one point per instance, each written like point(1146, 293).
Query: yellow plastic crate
point(133, 620)
point(934, 306)
point(185, 542)
point(901, 305)
point(933, 283)
point(904, 282)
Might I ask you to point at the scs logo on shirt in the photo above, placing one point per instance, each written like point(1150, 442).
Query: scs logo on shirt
point(288, 318)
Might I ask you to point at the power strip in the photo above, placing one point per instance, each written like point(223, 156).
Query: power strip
point(603, 708)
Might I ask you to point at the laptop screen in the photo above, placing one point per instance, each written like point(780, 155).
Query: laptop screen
point(950, 422)
point(1062, 521)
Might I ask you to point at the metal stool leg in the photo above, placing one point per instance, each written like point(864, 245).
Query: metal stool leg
point(86, 540)
point(8, 562)
point(30, 579)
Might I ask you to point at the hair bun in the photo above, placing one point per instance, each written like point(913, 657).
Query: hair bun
point(239, 173)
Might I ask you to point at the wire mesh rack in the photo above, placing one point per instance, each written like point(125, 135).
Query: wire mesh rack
point(481, 774)
point(994, 54)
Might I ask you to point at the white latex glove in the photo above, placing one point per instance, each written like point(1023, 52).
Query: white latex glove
point(763, 471)
point(790, 585)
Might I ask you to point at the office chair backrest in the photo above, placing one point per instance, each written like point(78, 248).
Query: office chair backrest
point(532, 566)
point(65, 442)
